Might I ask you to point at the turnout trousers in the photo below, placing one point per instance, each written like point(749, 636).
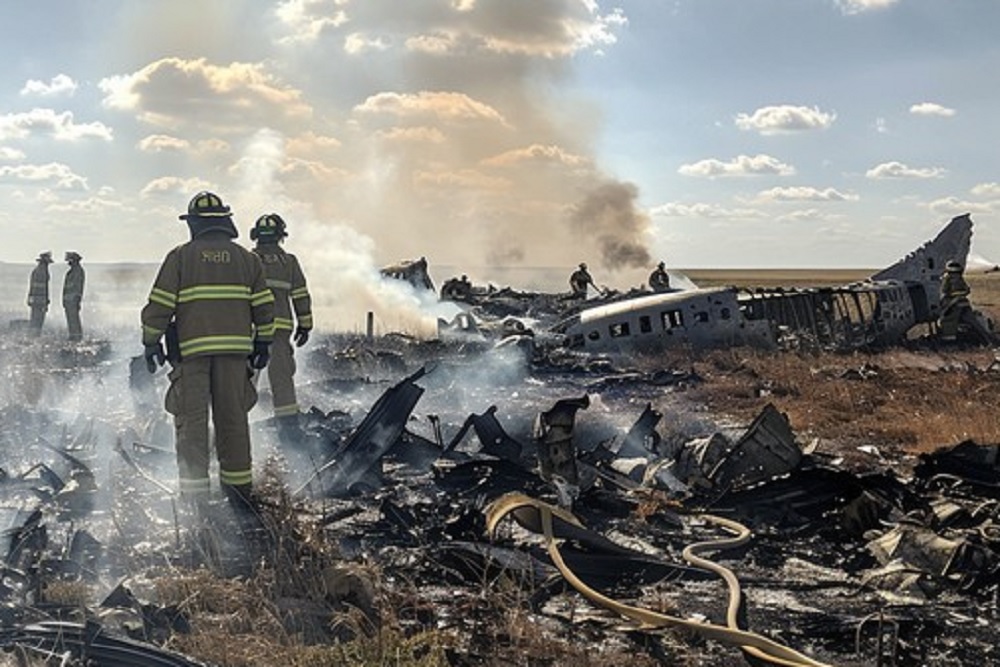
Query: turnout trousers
point(280, 374)
point(221, 385)
point(37, 319)
point(73, 322)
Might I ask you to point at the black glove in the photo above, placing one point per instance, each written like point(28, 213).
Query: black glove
point(155, 356)
point(261, 354)
point(301, 337)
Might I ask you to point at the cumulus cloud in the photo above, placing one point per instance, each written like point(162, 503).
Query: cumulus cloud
point(540, 28)
point(173, 92)
point(447, 106)
point(60, 126)
point(537, 154)
point(741, 165)
point(986, 190)
point(54, 173)
point(60, 84)
point(894, 170)
point(8, 154)
point(704, 210)
point(805, 193)
point(931, 109)
point(430, 135)
point(158, 143)
point(173, 185)
point(785, 119)
point(952, 206)
point(852, 7)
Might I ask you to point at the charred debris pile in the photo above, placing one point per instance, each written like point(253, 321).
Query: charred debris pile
point(601, 507)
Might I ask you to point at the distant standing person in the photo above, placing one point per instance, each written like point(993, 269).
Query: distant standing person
point(38, 293)
point(955, 306)
point(214, 292)
point(292, 313)
point(72, 294)
point(579, 280)
point(659, 279)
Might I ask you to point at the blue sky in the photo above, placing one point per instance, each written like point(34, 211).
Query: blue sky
point(481, 133)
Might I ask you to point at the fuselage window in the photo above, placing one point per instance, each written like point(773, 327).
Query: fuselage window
point(594, 335)
point(701, 316)
point(724, 314)
point(672, 319)
point(618, 329)
point(645, 324)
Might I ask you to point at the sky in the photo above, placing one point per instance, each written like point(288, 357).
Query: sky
point(491, 134)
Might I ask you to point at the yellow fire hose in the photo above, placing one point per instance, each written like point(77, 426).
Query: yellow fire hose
point(552, 522)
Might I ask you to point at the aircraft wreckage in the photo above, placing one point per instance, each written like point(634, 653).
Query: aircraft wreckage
point(877, 312)
point(593, 491)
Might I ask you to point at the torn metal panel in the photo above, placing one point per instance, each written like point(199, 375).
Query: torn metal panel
point(767, 450)
point(493, 439)
point(553, 433)
point(374, 437)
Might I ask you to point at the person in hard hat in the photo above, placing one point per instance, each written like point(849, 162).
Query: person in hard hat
point(38, 293)
point(659, 280)
point(293, 319)
point(72, 294)
point(213, 296)
point(579, 280)
point(955, 304)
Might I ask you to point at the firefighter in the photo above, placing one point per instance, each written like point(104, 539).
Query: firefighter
point(212, 295)
point(659, 280)
point(955, 306)
point(72, 294)
point(38, 293)
point(292, 313)
point(579, 280)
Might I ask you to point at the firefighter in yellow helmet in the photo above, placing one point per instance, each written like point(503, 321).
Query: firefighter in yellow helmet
point(72, 294)
point(38, 293)
point(659, 279)
point(213, 294)
point(955, 306)
point(293, 318)
point(579, 280)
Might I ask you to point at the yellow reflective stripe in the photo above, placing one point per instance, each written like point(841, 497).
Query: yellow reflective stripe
point(236, 477)
point(286, 410)
point(280, 284)
point(152, 331)
point(266, 331)
point(306, 321)
point(198, 485)
point(216, 344)
point(260, 298)
point(300, 292)
point(201, 292)
point(163, 297)
point(283, 323)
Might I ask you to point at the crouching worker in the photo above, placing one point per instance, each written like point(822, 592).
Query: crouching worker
point(214, 292)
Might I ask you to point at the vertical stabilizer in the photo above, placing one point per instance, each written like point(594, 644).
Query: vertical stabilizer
point(926, 263)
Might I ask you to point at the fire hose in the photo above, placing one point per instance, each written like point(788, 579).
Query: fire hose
point(548, 520)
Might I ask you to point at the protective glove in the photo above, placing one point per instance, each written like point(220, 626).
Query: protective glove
point(155, 357)
point(301, 336)
point(261, 354)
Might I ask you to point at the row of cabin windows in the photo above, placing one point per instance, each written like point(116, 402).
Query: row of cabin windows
point(669, 319)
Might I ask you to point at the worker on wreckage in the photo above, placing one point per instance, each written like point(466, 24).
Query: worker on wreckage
point(287, 282)
point(955, 306)
point(579, 280)
point(72, 294)
point(659, 279)
point(212, 295)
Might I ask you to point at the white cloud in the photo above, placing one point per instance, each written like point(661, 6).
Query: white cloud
point(931, 109)
point(157, 143)
point(860, 6)
point(8, 154)
point(306, 20)
point(59, 85)
point(742, 165)
point(60, 126)
point(785, 119)
point(986, 190)
point(805, 193)
point(53, 173)
point(170, 185)
point(441, 105)
point(539, 154)
point(173, 92)
point(358, 42)
point(895, 169)
point(952, 206)
point(702, 210)
point(805, 215)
